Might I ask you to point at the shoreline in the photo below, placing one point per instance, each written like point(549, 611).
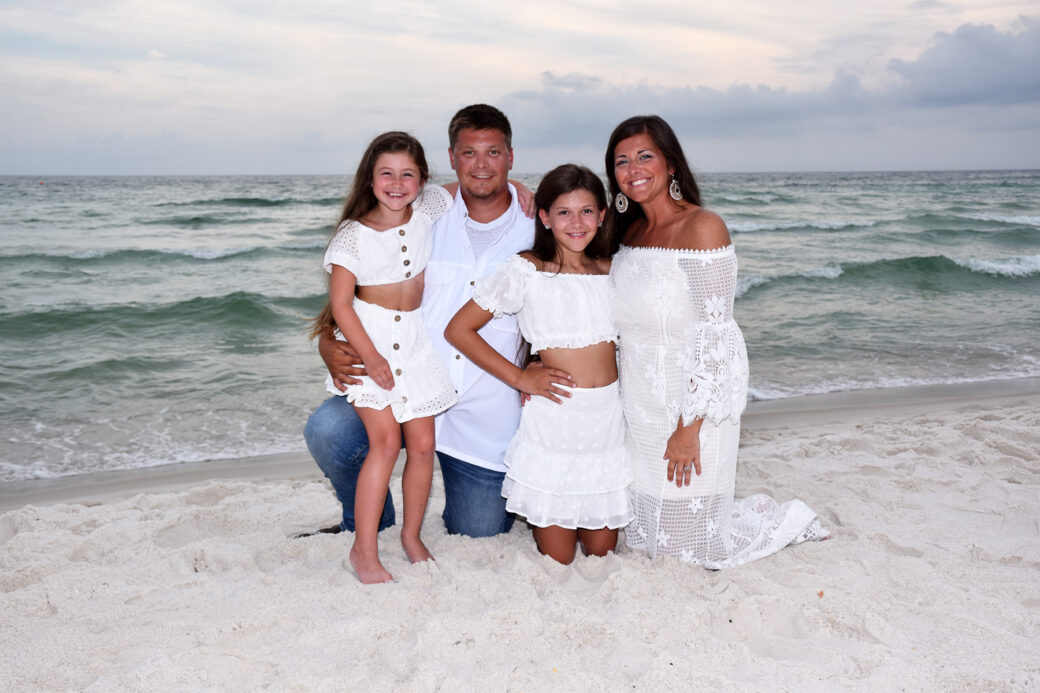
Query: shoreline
point(819, 409)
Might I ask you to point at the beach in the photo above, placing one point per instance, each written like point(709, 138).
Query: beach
point(188, 577)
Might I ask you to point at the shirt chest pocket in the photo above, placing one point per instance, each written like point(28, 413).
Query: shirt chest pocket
point(440, 282)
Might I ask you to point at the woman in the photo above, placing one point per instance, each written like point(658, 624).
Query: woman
point(684, 369)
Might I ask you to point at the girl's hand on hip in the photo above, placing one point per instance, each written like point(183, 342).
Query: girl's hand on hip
point(538, 379)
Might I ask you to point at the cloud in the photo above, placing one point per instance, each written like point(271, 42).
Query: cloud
point(960, 77)
point(975, 64)
point(570, 81)
point(260, 85)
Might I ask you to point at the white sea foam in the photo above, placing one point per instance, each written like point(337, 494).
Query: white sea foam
point(211, 253)
point(746, 283)
point(831, 271)
point(1027, 219)
point(751, 226)
point(1020, 266)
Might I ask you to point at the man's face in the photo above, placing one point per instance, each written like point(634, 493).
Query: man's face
point(481, 160)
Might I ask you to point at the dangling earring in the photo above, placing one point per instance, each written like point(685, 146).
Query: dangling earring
point(621, 203)
point(674, 190)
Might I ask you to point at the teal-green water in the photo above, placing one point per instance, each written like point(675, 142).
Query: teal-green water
point(149, 321)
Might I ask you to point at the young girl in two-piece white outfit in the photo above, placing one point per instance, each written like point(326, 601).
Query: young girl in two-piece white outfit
point(567, 467)
point(375, 262)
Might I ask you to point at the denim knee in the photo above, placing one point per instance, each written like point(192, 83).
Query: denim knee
point(473, 502)
point(336, 440)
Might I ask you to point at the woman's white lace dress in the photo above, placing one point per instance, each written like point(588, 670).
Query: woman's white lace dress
point(682, 353)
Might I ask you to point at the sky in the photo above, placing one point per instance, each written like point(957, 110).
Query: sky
point(275, 87)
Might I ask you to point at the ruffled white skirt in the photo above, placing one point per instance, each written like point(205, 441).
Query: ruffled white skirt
point(567, 462)
point(421, 383)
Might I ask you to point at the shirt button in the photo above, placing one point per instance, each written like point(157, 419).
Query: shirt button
point(457, 357)
point(401, 232)
point(398, 371)
point(405, 400)
point(404, 248)
point(396, 347)
point(407, 274)
point(472, 283)
point(397, 318)
point(407, 262)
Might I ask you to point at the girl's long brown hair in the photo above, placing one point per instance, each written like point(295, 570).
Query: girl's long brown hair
point(361, 200)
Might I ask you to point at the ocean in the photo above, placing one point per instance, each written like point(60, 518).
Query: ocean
point(147, 321)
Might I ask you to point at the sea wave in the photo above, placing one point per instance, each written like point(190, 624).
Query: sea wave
point(1016, 219)
point(754, 199)
point(252, 202)
point(836, 225)
point(94, 256)
point(746, 283)
point(236, 311)
point(891, 269)
point(1022, 266)
point(196, 221)
point(926, 222)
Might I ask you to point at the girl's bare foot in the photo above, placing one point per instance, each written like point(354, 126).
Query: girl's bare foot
point(416, 550)
point(368, 568)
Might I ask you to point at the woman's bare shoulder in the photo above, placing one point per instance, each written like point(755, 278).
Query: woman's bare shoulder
point(703, 229)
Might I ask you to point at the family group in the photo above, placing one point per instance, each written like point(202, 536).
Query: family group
point(580, 369)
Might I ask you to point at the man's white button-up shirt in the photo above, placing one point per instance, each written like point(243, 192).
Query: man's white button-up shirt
point(477, 429)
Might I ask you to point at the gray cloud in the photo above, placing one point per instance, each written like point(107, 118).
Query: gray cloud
point(975, 64)
point(957, 80)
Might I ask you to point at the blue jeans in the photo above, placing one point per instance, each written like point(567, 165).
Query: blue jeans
point(473, 502)
point(336, 439)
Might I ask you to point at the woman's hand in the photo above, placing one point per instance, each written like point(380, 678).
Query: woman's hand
point(341, 359)
point(537, 379)
point(379, 370)
point(683, 452)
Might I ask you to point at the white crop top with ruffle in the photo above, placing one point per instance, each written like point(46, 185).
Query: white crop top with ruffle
point(394, 255)
point(554, 310)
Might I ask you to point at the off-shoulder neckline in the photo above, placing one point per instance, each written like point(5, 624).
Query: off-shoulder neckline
point(556, 274)
point(694, 251)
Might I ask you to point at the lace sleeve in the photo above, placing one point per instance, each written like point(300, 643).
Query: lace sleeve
point(715, 364)
point(502, 292)
point(433, 202)
point(344, 248)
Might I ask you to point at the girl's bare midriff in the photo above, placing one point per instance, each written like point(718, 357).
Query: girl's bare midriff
point(591, 366)
point(403, 296)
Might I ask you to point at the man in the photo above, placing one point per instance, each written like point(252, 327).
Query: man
point(484, 227)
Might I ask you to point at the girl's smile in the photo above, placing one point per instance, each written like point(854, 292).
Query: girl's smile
point(574, 218)
point(396, 180)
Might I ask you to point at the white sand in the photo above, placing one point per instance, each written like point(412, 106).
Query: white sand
point(931, 580)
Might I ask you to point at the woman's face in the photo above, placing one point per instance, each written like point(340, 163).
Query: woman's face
point(640, 168)
point(574, 218)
